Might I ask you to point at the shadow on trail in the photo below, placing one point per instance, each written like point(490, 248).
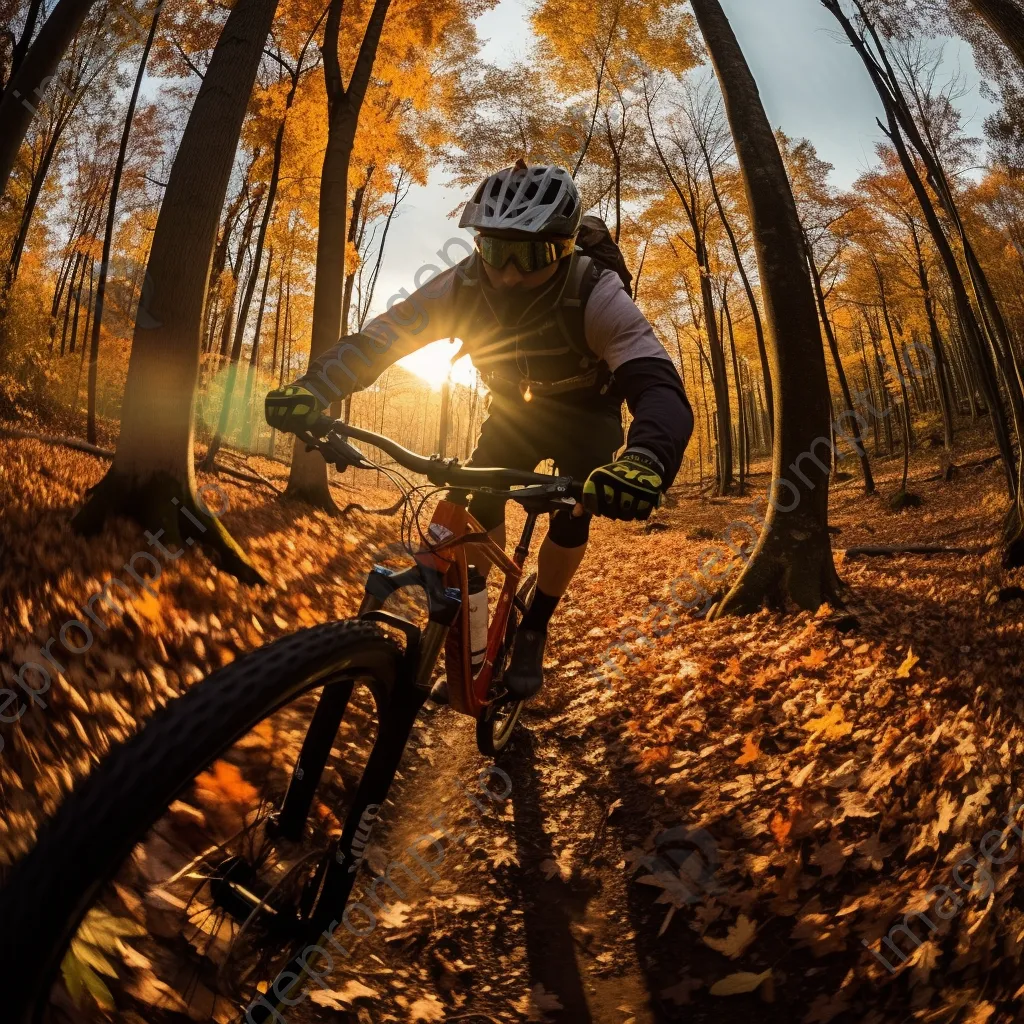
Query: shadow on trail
point(549, 907)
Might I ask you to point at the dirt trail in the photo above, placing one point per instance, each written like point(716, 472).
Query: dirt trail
point(519, 905)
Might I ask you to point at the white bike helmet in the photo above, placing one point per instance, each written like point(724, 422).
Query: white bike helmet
point(539, 200)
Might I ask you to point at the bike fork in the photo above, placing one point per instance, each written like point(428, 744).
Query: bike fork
point(335, 887)
point(316, 748)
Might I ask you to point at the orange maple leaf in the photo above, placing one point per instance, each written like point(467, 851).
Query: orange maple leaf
point(815, 659)
point(751, 751)
point(780, 826)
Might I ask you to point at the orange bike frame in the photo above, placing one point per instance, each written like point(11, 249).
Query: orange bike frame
point(467, 693)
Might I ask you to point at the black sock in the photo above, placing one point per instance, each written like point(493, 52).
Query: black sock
point(538, 615)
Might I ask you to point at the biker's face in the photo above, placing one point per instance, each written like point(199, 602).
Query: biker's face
point(510, 276)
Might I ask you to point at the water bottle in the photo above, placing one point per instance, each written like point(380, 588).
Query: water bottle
point(477, 617)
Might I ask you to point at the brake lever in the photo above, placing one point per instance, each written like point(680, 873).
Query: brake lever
point(349, 454)
point(340, 452)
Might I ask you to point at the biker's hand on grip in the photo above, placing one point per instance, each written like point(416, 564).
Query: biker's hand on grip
point(629, 488)
point(292, 409)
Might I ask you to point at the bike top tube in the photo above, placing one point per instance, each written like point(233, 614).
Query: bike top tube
point(328, 436)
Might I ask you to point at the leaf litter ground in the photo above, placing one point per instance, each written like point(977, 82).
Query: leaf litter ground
point(712, 832)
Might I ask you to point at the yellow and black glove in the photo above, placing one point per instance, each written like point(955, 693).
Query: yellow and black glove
point(629, 488)
point(292, 409)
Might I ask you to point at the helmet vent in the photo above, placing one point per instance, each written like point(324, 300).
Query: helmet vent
point(541, 199)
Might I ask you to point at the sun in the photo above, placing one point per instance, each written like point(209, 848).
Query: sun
point(433, 363)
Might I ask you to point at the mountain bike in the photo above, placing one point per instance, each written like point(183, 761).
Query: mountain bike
point(190, 875)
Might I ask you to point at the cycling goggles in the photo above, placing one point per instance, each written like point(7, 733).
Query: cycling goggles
point(528, 254)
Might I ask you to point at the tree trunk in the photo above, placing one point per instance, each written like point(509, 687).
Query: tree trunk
point(354, 231)
point(707, 406)
point(308, 478)
point(21, 47)
point(220, 259)
point(254, 360)
point(793, 556)
point(444, 421)
point(719, 377)
point(875, 334)
point(236, 271)
point(152, 479)
point(1006, 19)
point(108, 234)
point(84, 215)
point(748, 289)
point(36, 187)
point(899, 115)
point(896, 367)
point(277, 319)
point(250, 288)
point(67, 300)
point(941, 382)
point(30, 81)
point(741, 425)
point(78, 304)
point(833, 346)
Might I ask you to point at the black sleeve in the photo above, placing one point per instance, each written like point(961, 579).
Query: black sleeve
point(662, 416)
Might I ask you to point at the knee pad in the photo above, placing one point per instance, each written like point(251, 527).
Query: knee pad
point(567, 530)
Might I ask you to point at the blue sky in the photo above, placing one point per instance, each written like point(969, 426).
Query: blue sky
point(811, 82)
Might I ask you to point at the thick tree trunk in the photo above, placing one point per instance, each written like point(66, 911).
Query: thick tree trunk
point(28, 84)
point(21, 47)
point(153, 476)
point(108, 234)
point(308, 478)
point(792, 560)
point(1006, 19)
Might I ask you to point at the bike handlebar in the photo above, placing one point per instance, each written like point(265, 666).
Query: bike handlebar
point(329, 438)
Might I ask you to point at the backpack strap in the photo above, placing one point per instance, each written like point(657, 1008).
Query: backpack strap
point(583, 276)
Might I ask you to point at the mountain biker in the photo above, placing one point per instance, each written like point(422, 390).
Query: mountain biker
point(557, 378)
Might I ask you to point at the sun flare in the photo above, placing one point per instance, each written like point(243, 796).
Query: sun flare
point(434, 362)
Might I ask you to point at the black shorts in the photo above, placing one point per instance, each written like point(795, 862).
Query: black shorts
point(519, 435)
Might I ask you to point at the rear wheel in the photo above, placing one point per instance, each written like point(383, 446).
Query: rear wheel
point(497, 721)
point(170, 886)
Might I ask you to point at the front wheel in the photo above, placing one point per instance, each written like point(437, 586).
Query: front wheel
point(497, 721)
point(168, 887)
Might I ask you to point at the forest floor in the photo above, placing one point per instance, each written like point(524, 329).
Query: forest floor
point(703, 821)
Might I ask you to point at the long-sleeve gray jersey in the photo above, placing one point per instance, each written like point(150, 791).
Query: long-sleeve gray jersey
point(449, 304)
